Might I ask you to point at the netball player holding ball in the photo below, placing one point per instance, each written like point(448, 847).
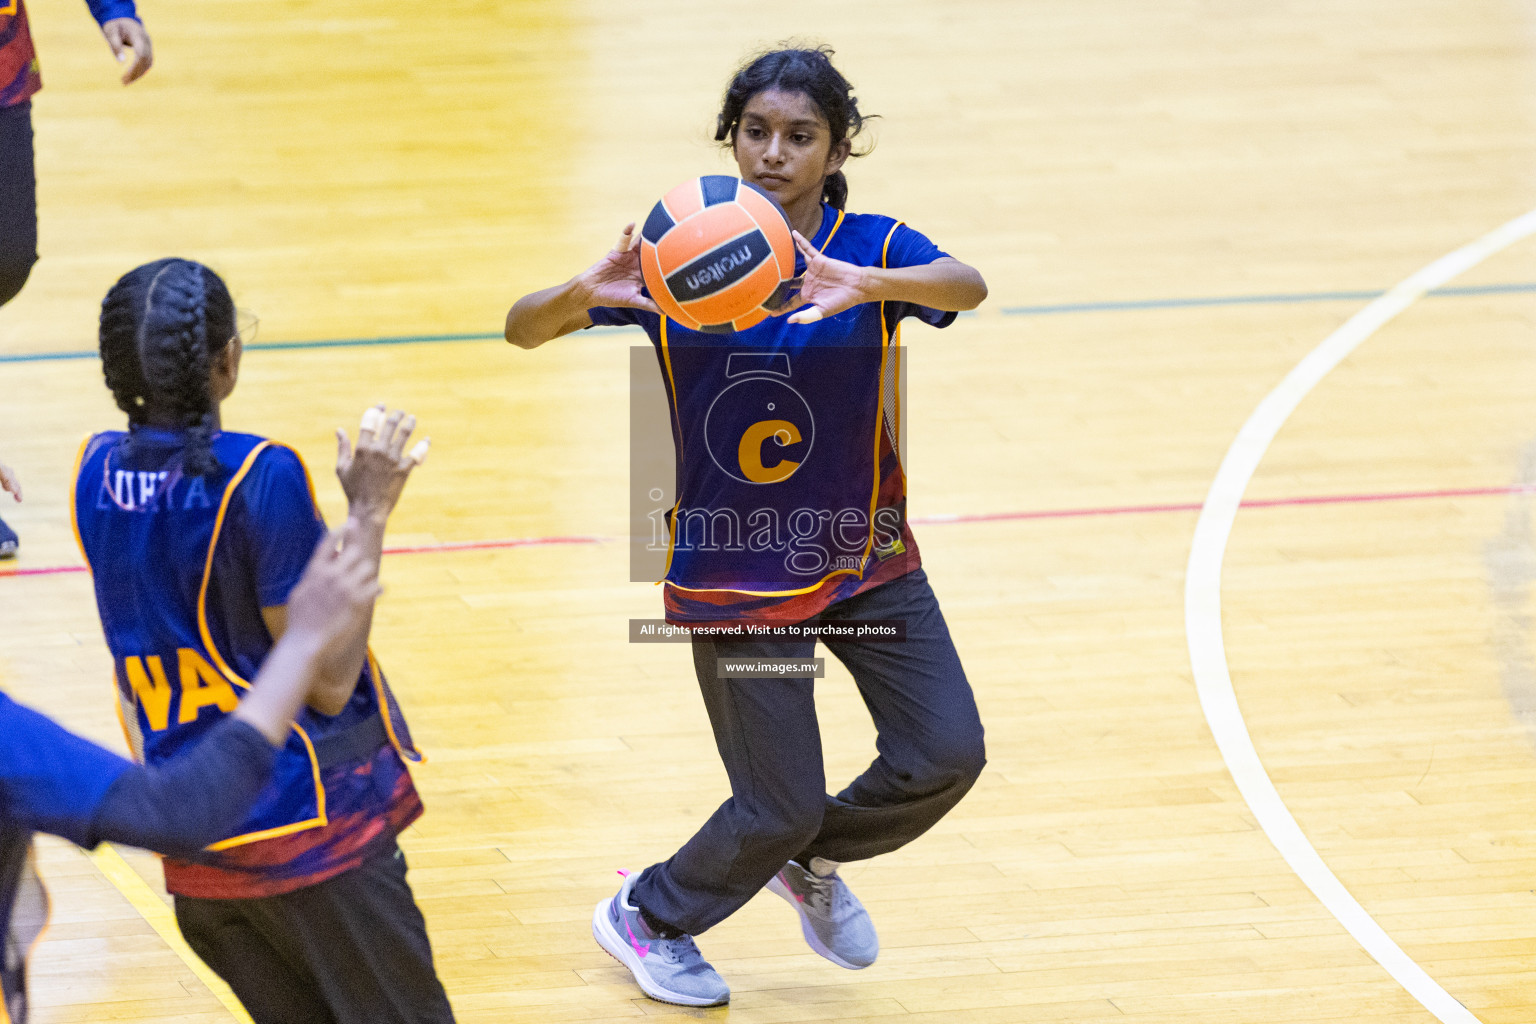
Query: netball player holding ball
point(789, 117)
point(196, 537)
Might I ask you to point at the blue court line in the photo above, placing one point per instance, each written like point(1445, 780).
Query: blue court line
point(278, 346)
point(1275, 299)
point(1281, 298)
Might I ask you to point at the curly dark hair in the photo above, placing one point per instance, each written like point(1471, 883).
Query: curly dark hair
point(806, 71)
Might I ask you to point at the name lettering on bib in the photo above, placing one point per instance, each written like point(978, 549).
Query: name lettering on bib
point(139, 491)
point(199, 685)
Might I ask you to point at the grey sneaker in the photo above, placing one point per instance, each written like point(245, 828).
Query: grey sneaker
point(835, 923)
point(667, 970)
point(8, 541)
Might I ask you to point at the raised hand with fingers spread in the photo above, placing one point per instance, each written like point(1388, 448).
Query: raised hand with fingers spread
point(373, 473)
point(829, 286)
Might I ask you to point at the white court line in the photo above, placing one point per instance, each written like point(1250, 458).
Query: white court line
point(1202, 610)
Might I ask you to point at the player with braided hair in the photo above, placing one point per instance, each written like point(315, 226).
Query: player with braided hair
point(165, 312)
point(195, 537)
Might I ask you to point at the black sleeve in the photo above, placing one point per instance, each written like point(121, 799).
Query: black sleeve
point(183, 805)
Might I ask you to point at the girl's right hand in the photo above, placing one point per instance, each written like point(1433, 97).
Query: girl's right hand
point(373, 475)
point(615, 280)
point(9, 481)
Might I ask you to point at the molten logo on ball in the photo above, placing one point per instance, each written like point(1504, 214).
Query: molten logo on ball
point(716, 254)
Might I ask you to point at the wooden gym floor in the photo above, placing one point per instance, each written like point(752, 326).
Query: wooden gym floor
point(368, 172)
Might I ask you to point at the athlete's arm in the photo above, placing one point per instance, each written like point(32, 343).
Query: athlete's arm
point(832, 286)
point(613, 280)
point(372, 476)
point(325, 611)
point(52, 780)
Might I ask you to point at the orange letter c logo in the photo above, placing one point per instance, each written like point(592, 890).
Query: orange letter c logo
point(750, 452)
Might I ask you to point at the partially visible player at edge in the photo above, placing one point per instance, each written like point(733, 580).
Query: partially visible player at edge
point(20, 79)
point(54, 781)
point(195, 537)
point(789, 117)
point(10, 482)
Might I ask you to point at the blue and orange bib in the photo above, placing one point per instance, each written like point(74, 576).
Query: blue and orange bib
point(182, 566)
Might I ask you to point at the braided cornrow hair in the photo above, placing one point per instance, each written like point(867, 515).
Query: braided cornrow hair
point(806, 71)
point(161, 325)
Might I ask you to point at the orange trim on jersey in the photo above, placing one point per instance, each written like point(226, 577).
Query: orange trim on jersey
point(835, 225)
point(763, 593)
point(9, 8)
point(377, 675)
point(666, 358)
point(874, 496)
point(868, 545)
point(309, 481)
point(885, 248)
point(74, 497)
point(271, 833)
point(233, 676)
point(885, 351)
point(677, 420)
point(885, 252)
point(213, 542)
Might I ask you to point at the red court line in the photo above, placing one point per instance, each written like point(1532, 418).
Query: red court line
point(1323, 499)
point(489, 545)
point(940, 520)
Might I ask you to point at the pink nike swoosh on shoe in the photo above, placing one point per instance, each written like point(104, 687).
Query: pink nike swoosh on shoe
point(642, 950)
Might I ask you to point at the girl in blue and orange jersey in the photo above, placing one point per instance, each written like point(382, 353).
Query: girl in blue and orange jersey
point(814, 530)
point(195, 537)
point(54, 781)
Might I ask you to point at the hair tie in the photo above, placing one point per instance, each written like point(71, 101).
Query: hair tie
point(138, 400)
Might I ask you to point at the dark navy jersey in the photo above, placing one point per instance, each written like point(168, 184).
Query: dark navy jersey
point(790, 489)
point(182, 566)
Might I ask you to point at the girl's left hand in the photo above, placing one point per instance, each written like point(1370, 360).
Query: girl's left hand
point(9, 481)
point(830, 286)
point(374, 473)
